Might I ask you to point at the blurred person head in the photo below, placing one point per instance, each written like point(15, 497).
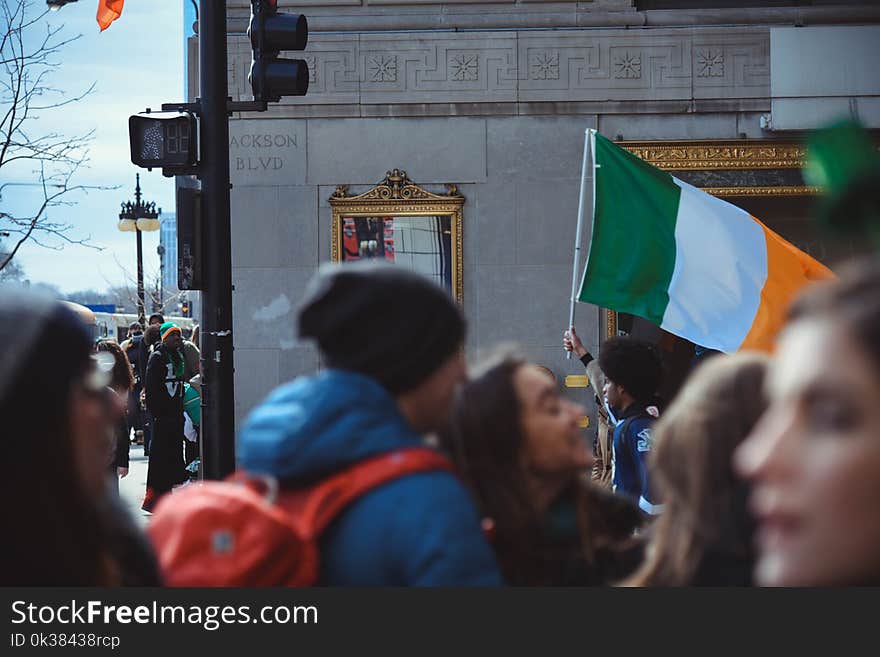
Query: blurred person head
point(156, 319)
point(121, 377)
point(516, 435)
point(632, 370)
point(134, 329)
point(704, 535)
point(152, 335)
point(519, 446)
point(396, 327)
point(814, 458)
point(53, 404)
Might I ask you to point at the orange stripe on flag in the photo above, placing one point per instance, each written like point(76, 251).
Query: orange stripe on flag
point(108, 11)
point(788, 270)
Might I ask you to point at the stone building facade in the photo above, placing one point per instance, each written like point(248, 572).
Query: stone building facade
point(495, 98)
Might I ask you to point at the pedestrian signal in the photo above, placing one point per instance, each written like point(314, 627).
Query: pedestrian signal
point(164, 139)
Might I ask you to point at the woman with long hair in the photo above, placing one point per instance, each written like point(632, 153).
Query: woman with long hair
point(814, 458)
point(121, 382)
point(519, 446)
point(62, 528)
point(704, 535)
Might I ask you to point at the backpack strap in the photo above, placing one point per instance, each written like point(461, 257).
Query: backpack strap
point(312, 509)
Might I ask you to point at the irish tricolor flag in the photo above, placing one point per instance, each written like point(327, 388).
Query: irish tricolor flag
point(698, 266)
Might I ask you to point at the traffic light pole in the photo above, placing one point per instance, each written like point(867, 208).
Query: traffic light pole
point(271, 79)
point(218, 431)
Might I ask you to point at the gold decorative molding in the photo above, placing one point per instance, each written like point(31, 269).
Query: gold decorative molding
point(398, 196)
point(763, 191)
point(396, 187)
point(610, 323)
point(719, 154)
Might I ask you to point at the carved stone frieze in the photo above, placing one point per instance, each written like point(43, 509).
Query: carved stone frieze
point(310, 62)
point(527, 67)
point(544, 65)
point(463, 67)
point(382, 68)
point(608, 66)
point(731, 65)
point(628, 65)
point(710, 63)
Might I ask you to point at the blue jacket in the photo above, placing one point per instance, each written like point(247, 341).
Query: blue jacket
point(631, 445)
point(418, 530)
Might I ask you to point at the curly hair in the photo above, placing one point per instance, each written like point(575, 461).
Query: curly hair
point(633, 364)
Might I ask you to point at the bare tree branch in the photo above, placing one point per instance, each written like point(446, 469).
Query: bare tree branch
point(30, 54)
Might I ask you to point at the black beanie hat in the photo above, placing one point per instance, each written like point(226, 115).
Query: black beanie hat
point(383, 321)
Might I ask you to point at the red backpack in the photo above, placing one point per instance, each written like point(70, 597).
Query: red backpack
point(247, 532)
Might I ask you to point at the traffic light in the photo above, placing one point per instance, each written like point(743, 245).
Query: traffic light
point(164, 139)
point(184, 308)
point(272, 77)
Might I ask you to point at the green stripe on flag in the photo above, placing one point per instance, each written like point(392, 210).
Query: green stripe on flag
point(632, 250)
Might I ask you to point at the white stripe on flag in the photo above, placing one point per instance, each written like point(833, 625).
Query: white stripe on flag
point(720, 269)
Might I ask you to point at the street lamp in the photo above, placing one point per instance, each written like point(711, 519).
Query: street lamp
point(139, 217)
point(160, 250)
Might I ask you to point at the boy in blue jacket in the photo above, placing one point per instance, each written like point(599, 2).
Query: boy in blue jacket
point(633, 373)
point(391, 341)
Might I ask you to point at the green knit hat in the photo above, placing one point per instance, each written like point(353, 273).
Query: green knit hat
point(166, 329)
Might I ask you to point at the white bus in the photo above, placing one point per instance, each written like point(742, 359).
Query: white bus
point(114, 326)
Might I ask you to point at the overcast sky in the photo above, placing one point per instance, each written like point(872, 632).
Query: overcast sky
point(137, 62)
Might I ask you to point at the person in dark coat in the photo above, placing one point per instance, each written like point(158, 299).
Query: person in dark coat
point(136, 352)
point(164, 391)
point(63, 525)
point(151, 340)
point(392, 343)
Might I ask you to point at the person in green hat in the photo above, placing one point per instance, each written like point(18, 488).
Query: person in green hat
point(164, 396)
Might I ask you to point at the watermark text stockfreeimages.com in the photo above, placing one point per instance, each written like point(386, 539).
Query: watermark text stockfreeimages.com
point(210, 617)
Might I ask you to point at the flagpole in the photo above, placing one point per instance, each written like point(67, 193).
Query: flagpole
point(588, 134)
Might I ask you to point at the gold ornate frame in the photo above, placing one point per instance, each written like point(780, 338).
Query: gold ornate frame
point(721, 155)
point(730, 155)
point(398, 196)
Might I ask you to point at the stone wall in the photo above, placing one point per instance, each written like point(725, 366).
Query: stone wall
point(519, 176)
point(499, 112)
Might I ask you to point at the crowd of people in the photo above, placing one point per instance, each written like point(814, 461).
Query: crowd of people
point(762, 470)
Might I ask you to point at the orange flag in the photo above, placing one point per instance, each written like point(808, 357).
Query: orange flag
point(108, 11)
